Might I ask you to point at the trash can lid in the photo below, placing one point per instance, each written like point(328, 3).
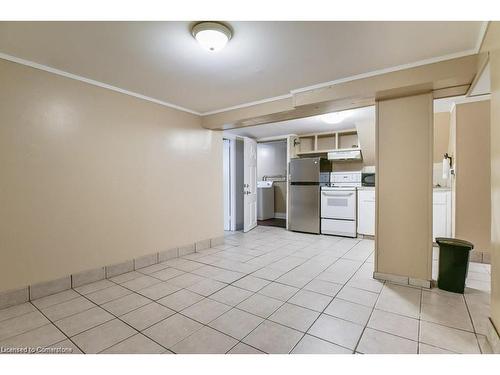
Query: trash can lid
point(454, 242)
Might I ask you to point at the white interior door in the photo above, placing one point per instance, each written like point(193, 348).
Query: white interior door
point(250, 184)
point(227, 184)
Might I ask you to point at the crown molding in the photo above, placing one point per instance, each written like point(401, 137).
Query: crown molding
point(249, 104)
point(93, 82)
point(257, 102)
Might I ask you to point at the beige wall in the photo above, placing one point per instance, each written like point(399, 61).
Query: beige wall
point(471, 185)
point(495, 185)
point(91, 177)
point(404, 144)
point(441, 135)
point(366, 136)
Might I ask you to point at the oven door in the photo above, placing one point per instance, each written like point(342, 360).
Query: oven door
point(338, 204)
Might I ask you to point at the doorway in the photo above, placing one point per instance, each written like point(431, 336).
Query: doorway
point(272, 183)
point(226, 173)
point(239, 183)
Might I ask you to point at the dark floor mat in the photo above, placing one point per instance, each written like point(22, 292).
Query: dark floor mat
point(273, 223)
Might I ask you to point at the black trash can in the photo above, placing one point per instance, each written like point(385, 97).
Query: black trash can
point(453, 263)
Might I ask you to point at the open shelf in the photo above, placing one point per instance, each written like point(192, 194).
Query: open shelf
point(348, 140)
point(323, 143)
point(326, 142)
point(307, 143)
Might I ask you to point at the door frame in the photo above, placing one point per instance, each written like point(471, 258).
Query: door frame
point(227, 182)
point(232, 172)
point(250, 184)
point(290, 153)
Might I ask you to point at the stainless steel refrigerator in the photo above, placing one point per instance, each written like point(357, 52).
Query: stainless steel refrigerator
point(306, 177)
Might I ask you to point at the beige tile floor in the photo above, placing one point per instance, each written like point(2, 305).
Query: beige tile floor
point(267, 291)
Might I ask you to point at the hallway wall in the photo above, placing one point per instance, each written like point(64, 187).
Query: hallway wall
point(471, 186)
point(495, 188)
point(91, 177)
point(491, 45)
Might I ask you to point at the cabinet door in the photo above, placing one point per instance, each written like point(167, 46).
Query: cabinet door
point(438, 220)
point(366, 212)
point(441, 214)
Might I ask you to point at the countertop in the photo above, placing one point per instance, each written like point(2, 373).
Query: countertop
point(442, 188)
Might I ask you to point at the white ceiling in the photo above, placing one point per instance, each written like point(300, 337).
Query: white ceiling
point(161, 60)
point(313, 124)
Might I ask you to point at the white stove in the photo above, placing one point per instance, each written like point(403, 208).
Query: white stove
point(339, 204)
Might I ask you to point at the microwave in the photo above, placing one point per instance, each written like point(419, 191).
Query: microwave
point(367, 179)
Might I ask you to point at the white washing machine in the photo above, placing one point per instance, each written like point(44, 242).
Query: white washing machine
point(265, 200)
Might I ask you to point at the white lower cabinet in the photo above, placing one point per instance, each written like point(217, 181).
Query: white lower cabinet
point(366, 212)
point(441, 213)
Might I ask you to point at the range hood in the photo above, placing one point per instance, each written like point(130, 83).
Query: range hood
point(347, 154)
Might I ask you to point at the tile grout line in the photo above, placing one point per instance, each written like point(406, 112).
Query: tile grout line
point(371, 312)
point(117, 317)
point(180, 313)
point(233, 307)
point(337, 258)
point(162, 280)
point(53, 322)
point(175, 312)
point(442, 325)
point(419, 320)
point(228, 267)
point(151, 301)
point(472, 323)
point(20, 315)
point(267, 318)
point(63, 333)
point(336, 294)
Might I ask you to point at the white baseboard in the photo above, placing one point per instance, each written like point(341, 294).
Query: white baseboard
point(391, 278)
point(402, 280)
point(280, 215)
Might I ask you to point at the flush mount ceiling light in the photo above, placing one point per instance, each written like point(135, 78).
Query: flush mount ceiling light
point(335, 117)
point(212, 36)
